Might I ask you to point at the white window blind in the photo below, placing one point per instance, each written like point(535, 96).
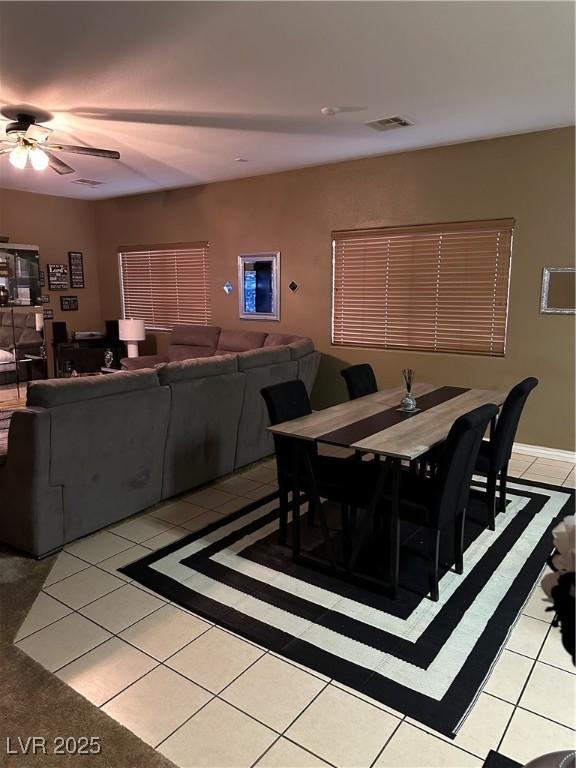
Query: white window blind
point(437, 288)
point(166, 285)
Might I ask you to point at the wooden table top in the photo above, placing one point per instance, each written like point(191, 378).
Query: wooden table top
point(372, 424)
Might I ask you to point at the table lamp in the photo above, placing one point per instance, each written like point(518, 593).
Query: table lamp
point(131, 331)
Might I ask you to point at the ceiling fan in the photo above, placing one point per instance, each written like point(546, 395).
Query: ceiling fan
point(27, 142)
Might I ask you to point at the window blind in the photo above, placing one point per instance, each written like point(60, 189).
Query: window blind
point(166, 285)
point(437, 288)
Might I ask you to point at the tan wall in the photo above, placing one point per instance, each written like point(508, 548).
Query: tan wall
point(529, 177)
point(57, 225)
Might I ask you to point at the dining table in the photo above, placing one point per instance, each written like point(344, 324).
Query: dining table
point(375, 424)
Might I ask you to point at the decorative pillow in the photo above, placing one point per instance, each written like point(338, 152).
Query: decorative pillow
point(6, 357)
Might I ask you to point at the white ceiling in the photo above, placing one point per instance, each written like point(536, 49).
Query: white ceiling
point(182, 89)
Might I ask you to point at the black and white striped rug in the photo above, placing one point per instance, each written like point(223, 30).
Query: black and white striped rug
point(426, 659)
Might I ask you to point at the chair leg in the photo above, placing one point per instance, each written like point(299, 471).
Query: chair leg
point(491, 499)
point(283, 527)
point(345, 510)
point(459, 525)
point(311, 514)
point(434, 565)
point(503, 481)
point(353, 517)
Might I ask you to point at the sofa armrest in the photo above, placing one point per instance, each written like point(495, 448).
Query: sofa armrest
point(144, 361)
point(32, 511)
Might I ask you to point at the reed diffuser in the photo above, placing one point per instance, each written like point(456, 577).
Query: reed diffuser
point(408, 401)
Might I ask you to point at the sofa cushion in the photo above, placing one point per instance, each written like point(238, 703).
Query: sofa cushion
point(195, 335)
point(185, 370)
point(143, 361)
point(280, 339)
point(184, 352)
point(61, 391)
point(300, 348)
point(254, 358)
point(299, 345)
point(240, 341)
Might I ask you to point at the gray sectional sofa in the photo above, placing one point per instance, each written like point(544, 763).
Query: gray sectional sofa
point(88, 452)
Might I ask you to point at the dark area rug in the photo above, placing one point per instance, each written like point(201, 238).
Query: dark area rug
point(34, 702)
point(496, 760)
point(426, 659)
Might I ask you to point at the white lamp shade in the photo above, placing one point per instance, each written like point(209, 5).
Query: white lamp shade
point(131, 330)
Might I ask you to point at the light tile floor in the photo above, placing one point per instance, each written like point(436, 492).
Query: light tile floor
point(180, 683)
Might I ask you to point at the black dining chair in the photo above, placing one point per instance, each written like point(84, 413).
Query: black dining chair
point(494, 454)
point(437, 501)
point(285, 402)
point(360, 380)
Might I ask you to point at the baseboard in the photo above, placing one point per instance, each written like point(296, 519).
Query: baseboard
point(545, 453)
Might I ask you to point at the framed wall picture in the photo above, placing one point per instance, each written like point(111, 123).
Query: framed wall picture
point(42, 278)
point(558, 296)
point(44, 299)
point(48, 314)
point(259, 285)
point(69, 303)
point(76, 262)
point(58, 277)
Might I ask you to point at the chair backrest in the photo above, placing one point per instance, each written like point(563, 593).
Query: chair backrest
point(286, 401)
point(458, 461)
point(360, 380)
point(503, 438)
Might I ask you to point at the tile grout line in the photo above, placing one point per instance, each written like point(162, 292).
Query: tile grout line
point(255, 763)
point(521, 694)
point(545, 717)
point(214, 696)
point(451, 741)
point(388, 740)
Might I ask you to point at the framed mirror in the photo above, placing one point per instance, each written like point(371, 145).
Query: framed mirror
point(558, 291)
point(259, 285)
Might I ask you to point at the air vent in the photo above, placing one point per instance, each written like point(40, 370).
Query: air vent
point(386, 123)
point(87, 182)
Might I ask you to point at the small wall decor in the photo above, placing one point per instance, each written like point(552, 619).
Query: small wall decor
point(558, 296)
point(48, 314)
point(69, 303)
point(293, 286)
point(76, 261)
point(43, 299)
point(58, 277)
point(228, 288)
point(42, 278)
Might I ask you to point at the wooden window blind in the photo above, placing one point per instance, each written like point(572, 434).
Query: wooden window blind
point(166, 285)
point(436, 288)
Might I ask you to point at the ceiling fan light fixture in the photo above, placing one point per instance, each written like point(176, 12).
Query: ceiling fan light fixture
point(19, 157)
point(38, 158)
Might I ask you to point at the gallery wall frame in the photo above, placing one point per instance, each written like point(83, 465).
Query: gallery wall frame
point(76, 264)
point(57, 277)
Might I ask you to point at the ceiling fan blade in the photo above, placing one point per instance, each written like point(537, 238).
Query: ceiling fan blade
point(37, 133)
point(109, 153)
point(58, 165)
